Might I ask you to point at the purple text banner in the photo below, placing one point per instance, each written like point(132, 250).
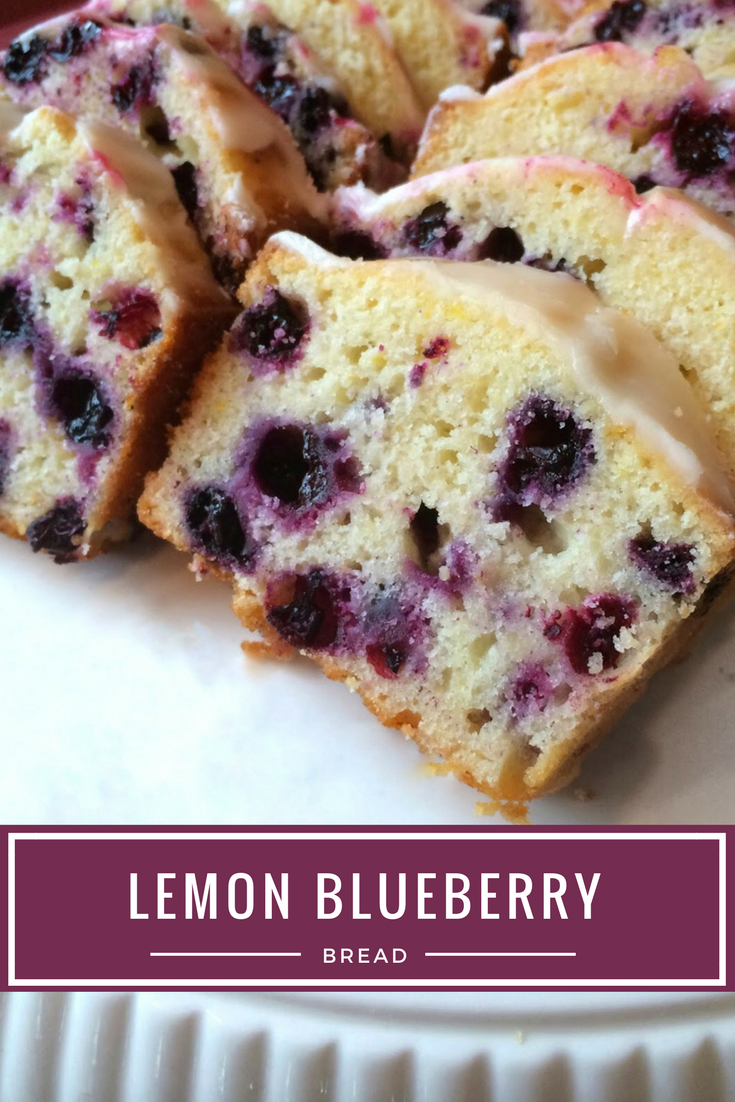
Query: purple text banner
point(399, 908)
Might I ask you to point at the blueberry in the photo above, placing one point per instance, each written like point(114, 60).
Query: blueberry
point(431, 232)
point(78, 402)
point(669, 563)
point(620, 19)
point(279, 92)
point(289, 466)
point(25, 60)
point(271, 329)
point(185, 179)
point(78, 209)
point(216, 527)
point(260, 42)
point(57, 530)
point(530, 691)
point(74, 39)
point(701, 141)
point(549, 451)
point(356, 245)
point(387, 659)
point(16, 319)
point(509, 11)
point(315, 109)
point(437, 348)
point(134, 320)
point(309, 618)
point(502, 244)
point(136, 89)
point(5, 438)
point(591, 631)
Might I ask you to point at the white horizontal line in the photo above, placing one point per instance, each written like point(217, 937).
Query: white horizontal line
point(225, 954)
point(500, 954)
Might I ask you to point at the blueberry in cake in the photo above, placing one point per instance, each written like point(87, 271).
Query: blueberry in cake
point(107, 306)
point(704, 28)
point(655, 119)
point(354, 46)
point(235, 164)
point(442, 44)
point(658, 256)
point(278, 66)
point(535, 24)
point(437, 481)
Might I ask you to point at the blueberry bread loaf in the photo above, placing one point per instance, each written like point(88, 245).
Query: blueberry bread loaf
point(436, 480)
point(278, 66)
point(655, 119)
point(107, 307)
point(706, 30)
point(354, 45)
point(442, 44)
point(235, 163)
point(660, 257)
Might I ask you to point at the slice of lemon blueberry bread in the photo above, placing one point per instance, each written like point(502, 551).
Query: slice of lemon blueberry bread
point(661, 257)
point(655, 119)
point(354, 45)
point(236, 167)
point(279, 67)
point(484, 500)
point(442, 44)
point(107, 307)
point(706, 30)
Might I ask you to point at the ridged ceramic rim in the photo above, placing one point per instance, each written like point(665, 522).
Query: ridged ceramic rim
point(181, 1047)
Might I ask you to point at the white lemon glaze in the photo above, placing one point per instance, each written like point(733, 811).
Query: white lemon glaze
point(242, 121)
point(621, 363)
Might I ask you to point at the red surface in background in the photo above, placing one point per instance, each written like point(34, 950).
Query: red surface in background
point(17, 15)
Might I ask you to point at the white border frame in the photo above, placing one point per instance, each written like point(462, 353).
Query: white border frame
point(191, 836)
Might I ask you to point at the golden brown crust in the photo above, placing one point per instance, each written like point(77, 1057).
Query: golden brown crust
point(158, 404)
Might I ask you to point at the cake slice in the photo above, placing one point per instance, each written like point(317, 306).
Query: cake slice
point(660, 257)
point(107, 307)
point(236, 167)
point(442, 44)
point(483, 500)
point(705, 30)
point(353, 44)
point(279, 67)
point(655, 119)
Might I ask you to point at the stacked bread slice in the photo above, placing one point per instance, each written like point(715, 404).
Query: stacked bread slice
point(655, 119)
point(706, 31)
point(107, 306)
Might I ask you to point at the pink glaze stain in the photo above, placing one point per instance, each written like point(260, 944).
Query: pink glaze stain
point(366, 14)
point(621, 118)
point(619, 185)
point(106, 165)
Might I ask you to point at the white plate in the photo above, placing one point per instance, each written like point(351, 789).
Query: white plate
point(126, 699)
point(228, 1048)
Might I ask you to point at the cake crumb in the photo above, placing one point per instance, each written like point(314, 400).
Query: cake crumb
point(516, 813)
